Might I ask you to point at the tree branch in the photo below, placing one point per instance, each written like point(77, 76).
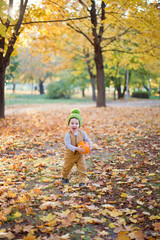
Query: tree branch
point(79, 31)
point(125, 51)
point(16, 32)
point(112, 39)
point(54, 21)
point(82, 3)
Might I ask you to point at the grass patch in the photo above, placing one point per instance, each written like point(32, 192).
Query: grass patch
point(28, 99)
point(155, 97)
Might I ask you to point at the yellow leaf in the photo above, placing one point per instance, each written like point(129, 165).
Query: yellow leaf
point(2, 31)
point(111, 225)
point(154, 217)
point(23, 199)
point(48, 218)
point(11, 194)
point(144, 180)
point(124, 195)
point(115, 213)
point(17, 215)
point(29, 237)
point(122, 236)
point(133, 220)
point(149, 192)
point(46, 180)
point(51, 223)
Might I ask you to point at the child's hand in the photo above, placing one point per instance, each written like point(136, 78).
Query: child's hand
point(80, 149)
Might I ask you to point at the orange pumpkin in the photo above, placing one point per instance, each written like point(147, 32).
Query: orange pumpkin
point(84, 145)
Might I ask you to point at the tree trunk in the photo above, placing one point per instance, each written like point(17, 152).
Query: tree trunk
point(93, 88)
point(2, 97)
point(117, 68)
point(98, 58)
point(41, 87)
point(83, 92)
point(119, 91)
point(101, 101)
point(14, 86)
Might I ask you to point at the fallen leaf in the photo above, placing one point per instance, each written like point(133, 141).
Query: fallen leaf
point(123, 236)
point(46, 205)
point(138, 235)
point(156, 226)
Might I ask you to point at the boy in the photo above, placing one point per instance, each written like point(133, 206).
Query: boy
point(73, 153)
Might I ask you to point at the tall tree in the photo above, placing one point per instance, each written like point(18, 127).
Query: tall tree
point(8, 38)
point(105, 22)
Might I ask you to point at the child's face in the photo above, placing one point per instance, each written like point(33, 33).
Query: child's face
point(74, 125)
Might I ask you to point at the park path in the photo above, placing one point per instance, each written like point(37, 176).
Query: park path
point(20, 108)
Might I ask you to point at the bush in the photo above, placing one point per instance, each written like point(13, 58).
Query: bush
point(58, 89)
point(140, 94)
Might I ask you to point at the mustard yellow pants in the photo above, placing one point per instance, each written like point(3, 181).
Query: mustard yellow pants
point(74, 158)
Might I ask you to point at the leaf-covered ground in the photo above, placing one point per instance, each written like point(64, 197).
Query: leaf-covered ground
point(122, 199)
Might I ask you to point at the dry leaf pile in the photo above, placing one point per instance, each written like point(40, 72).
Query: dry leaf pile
point(122, 201)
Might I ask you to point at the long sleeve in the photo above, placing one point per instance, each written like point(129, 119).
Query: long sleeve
point(67, 141)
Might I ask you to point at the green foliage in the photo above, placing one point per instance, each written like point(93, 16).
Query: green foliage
point(60, 89)
point(12, 69)
point(142, 76)
point(140, 94)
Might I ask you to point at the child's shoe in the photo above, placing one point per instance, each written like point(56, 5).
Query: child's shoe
point(83, 185)
point(65, 181)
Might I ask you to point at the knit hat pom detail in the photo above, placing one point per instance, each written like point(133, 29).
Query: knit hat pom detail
point(77, 111)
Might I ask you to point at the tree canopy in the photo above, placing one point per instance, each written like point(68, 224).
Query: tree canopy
point(129, 27)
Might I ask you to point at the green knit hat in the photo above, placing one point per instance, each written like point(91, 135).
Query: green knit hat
point(75, 114)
